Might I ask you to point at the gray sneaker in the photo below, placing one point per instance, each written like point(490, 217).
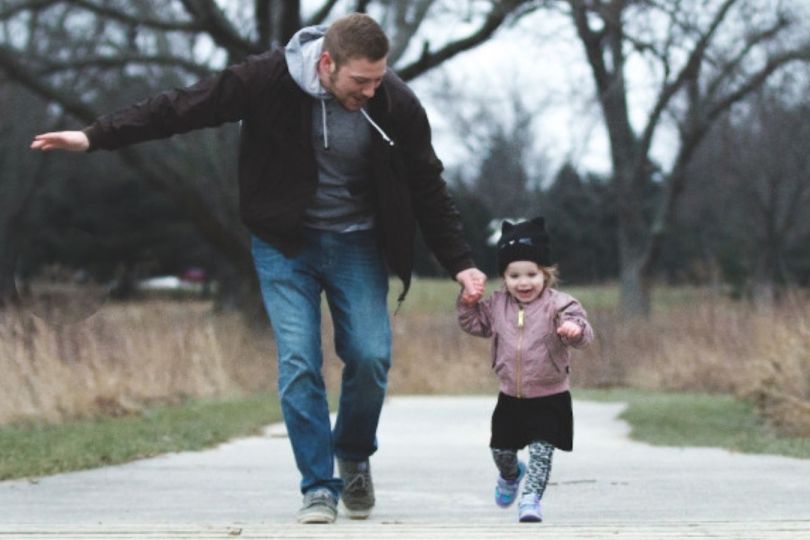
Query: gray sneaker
point(320, 506)
point(358, 490)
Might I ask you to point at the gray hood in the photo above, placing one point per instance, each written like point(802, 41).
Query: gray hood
point(302, 54)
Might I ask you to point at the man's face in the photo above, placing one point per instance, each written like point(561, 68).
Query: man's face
point(354, 82)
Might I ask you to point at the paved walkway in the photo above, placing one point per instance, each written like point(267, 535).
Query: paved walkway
point(434, 479)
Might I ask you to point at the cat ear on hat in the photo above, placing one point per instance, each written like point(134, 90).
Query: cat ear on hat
point(506, 226)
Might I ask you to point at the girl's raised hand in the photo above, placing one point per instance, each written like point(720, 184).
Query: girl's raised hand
point(570, 330)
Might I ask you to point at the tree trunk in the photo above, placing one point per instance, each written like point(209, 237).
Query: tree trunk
point(765, 279)
point(9, 250)
point(634, 285)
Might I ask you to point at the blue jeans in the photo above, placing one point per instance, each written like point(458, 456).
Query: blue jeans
point(349, 268)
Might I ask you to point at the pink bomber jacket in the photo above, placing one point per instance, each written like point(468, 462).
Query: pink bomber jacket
point(528, 356)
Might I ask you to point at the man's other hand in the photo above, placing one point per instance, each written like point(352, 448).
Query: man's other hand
point(74, 141)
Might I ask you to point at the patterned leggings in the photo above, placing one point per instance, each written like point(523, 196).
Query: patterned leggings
point(540, 454)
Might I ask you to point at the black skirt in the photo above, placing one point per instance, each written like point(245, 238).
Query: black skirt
point(518, 421)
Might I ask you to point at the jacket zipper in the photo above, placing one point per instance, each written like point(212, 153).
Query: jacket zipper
point(520, 322)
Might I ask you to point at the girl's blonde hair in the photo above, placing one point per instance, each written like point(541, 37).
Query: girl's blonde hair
point(551, 275)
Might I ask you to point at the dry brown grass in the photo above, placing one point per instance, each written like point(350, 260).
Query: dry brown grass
point(127, 355)
point(715, 346)
point(124, 356)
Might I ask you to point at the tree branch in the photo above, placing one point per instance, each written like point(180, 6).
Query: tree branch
point(319, 16)
point(750, 43)
point(263, 13)
point(16, 70)
point(690, 70)
point(757, 79)
point(135, 20)
point(428, 60)
point(593, 45)
point(406, 27)
point(30, 5)
point(290, 19)
point(122, 60)
point(209, 17)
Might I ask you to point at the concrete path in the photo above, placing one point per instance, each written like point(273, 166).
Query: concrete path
point(434, 479)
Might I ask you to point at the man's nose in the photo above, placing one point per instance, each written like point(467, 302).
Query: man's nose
point(368, 90)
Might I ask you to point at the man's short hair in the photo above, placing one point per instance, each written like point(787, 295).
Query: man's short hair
point(355, 36)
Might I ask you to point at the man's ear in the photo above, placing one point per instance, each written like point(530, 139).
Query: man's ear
point(327, 63)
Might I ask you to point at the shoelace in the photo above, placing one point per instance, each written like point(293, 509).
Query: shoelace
point(528, 502)
point(320, 497)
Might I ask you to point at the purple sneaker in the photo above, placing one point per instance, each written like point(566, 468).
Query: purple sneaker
point(529, 508)
point(506, 490)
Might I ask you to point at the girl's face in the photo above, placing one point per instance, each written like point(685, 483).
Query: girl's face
point(524, 280)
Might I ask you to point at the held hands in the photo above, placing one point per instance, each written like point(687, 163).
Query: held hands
point(570, 330)
point(473, 282)
point(74, 141)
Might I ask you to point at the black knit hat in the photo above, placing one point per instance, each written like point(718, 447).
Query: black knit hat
point(526, 241)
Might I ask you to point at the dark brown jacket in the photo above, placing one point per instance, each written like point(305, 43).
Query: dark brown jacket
point(277, 169)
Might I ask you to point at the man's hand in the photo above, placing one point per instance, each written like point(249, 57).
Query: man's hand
point(473, 282)
point(74, 141)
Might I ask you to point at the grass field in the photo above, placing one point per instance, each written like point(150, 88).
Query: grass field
point(37, 449)
point(693, 419)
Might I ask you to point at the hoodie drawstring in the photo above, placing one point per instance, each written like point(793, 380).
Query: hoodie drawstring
point(382, 133)
point(385, 137)
point(325, 132)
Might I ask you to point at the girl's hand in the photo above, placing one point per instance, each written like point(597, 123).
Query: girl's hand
point(471, 299)
point(473, 282)
point(570, 330)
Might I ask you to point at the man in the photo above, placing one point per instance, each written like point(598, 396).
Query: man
point(336, 169)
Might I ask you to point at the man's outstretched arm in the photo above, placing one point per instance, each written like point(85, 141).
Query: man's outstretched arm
point(74, 141)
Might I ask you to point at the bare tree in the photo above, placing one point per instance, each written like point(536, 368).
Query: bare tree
point(20, 178)
point(707, 56)
point(766, 172)
point(84, 55)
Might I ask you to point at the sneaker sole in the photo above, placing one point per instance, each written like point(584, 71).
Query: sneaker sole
point(530, 519)
point(357, 514)
point(316, 517)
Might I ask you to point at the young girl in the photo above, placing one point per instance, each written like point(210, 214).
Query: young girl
point(532, 327)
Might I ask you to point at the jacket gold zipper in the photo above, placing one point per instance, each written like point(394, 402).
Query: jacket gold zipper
point(520, 322)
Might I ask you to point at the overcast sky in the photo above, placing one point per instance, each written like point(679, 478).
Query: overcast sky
point(542, 59)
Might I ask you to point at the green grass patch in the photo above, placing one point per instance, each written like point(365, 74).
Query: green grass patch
point(692, 419)
point(438, 295)
point(33, 450)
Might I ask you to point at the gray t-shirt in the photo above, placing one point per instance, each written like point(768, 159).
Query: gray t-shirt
point(343, 201)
